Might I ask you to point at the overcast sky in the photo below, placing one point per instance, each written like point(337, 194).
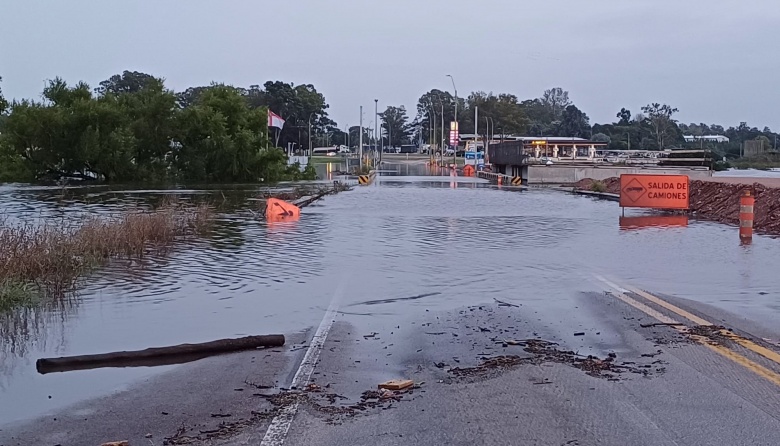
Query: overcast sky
point(715, 60)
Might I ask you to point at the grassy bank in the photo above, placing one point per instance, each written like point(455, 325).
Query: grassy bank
point(47, 260)
point(761, 162)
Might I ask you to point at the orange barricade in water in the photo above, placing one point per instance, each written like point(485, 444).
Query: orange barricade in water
point(468, 170)
point(279, 210)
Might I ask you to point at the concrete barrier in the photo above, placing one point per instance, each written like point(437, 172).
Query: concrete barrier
point(567, 174)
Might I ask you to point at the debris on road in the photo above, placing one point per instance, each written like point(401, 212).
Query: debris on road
point(116, 443)
point(505, 304)
point(396, 384)
point(579, 333)
point(662, 324)
point(711, 332)
point(545, 351)
point(157, 355)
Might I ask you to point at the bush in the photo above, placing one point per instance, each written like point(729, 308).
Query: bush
point(598, 186)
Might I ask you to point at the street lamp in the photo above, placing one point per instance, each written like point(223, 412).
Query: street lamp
point(456, 114)
point(310, 148)
point(376, 117)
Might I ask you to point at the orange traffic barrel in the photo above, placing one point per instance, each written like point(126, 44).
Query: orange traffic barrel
point(746, 203)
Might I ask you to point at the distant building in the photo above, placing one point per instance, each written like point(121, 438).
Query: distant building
point(710, 138)
point(753, 148)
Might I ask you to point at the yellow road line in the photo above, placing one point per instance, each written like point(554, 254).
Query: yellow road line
point(673, 308)
point(754, 367)
point(741, 360)
point(746, 343)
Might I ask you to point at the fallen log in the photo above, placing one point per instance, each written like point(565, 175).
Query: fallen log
point(157, 355)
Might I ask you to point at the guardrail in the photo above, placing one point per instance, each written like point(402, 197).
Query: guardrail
point(500, 178)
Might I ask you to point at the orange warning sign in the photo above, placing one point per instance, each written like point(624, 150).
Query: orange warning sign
point(654, 191)
point(278, 210)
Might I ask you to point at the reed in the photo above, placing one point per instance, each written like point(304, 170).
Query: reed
point(47, 260)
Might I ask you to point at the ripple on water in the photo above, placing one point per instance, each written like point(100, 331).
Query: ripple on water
point(378, 249)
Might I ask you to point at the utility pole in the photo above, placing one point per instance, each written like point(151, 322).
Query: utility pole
point(310, 152)
point(487, 140)
point(376, 127)
point(476, 126)
point(455, 154)
point(442, 133)
point(360, 147)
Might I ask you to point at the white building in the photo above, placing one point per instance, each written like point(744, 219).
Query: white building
point(710, 138)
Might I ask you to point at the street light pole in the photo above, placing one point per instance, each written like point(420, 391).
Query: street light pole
point(454, 155)
point(442, 133)
point(376, 118)
point(360, 143)
point(476, 126)
point(487, 140)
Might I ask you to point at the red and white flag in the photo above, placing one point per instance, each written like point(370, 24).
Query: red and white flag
point(275, 120)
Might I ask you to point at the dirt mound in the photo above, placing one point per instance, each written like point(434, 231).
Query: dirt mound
point(609, 185)
point(720, 202)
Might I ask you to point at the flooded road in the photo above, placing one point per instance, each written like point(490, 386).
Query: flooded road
point(406, 243)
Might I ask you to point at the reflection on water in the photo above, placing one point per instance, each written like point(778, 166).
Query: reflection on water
point(405, 244)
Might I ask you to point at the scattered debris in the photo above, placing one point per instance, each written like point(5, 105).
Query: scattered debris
point(711, 332)
point(545, 351)
point(661, 324)
point(505, 304)
point(579, 333)
point(116, 443)
point(396, 384)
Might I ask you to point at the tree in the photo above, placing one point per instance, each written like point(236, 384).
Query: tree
point(504, 109)
point(395, 125)
point(298, 105)
point(555, 100)
point(624, 116)
point(221, 139)
point(574, 123)
point(190, 96)
point(127, 82)
point(660, 119)
point(601, 137)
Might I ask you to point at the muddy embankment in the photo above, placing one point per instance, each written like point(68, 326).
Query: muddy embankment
point(717, 201)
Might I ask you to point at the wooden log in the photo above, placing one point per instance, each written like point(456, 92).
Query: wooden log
point(157, 355)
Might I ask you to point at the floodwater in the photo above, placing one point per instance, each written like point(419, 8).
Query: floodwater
point(749, 173)
point(407, 243)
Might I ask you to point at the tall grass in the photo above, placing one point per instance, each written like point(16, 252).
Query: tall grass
point(598, 186)
point(47, 260)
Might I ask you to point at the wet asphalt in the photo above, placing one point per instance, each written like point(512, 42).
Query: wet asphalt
point(472, 386)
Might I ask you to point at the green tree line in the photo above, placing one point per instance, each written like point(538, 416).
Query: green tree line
point(553, 114)
point(133, 128)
